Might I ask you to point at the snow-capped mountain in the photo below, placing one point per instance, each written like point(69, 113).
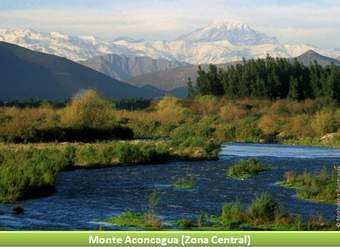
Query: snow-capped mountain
point(236, 33)
point(215, 52)
point(55, 43)
point(219, 42)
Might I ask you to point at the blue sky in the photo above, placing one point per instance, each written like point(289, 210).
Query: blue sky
point(313, 22)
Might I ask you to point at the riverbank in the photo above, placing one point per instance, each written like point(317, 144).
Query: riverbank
point(29, 170)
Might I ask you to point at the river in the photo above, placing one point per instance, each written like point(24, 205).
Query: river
point(84, 197)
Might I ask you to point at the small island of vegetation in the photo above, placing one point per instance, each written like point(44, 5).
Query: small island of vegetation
point(245, 169)
point(319, 187)
point(145, 220)
point(185, 183)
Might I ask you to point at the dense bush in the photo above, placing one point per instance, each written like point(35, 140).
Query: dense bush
point(88, 110)
point(142, 153)
point(170, 109)
point(200, 122)
point(244, 169)
point(86, 118)
point(232, 212)
point(265, 213)
point(195, 135)
point(264, 209)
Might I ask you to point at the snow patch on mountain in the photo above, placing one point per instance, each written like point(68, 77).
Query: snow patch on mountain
point(56, 43)
point(236, 33)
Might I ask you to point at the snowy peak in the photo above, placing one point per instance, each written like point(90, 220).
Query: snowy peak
point(234, 32)
point(72, 47)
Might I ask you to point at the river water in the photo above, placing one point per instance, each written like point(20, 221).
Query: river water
point(85, 197)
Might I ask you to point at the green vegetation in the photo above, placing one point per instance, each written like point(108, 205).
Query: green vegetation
point(143, 153)
point(244, 169)
point(29, 173)
point(264, 213)
point(174, 129)
point(198, 124)
point(203, 122)
point(272, 78)
point(88, 110)
point(88, 117)
point(185, 183)
point(130, 219)
point(29, 170)
point(147, 220)
point(320, 187)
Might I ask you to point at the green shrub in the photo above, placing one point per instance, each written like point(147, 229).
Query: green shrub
point(264, 209)
point(146, 220)
point(190, 136)
point(185, 223)
point(142, 153)
point(70, 155)
point(266, 214)
point(89, 154)
point(129, 219)
point(318, 187)
point(232, 212)
point(88, 110)
point(244, 169)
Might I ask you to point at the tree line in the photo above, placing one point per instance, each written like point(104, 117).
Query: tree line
point(270, 78)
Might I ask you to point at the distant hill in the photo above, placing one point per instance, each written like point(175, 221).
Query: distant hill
point(27, 74)
point(172, 79)
point(123, 67)
point(311, 56)
point(167, 80)
point(180, 92)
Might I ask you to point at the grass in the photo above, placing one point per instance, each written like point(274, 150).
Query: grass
point(146, 220)
point(185, 183)
point(130, 219)
point(245, 169)
point(318, 187)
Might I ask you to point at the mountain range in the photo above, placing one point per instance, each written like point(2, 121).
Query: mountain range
point(124, 67)
point(27, 74)
point(219, 42)
point(64, 64)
